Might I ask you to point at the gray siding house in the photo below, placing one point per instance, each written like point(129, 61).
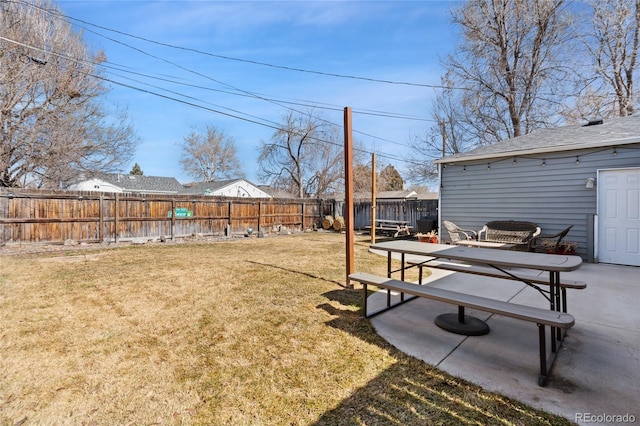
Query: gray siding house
point(587, 176)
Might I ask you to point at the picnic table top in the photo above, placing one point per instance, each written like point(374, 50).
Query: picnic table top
point(486, 256)
point(485, 244)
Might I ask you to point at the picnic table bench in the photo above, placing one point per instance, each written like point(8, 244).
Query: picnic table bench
point(541, 317)
point(392, 227)
point(530, 280)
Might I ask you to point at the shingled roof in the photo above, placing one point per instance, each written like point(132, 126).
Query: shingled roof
point(596, 134)
point(199, 188)
point(225, 188)
point(141, 183)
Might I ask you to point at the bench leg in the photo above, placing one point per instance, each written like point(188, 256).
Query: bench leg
point(364, 300)
point(543, 377)
point(365, 311)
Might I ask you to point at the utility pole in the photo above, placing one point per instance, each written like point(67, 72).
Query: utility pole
point(443, 131)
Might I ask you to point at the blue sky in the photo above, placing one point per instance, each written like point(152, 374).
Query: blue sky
point(190, 43)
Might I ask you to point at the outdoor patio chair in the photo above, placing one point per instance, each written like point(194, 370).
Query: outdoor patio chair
point(542, 241)
point(457, 234)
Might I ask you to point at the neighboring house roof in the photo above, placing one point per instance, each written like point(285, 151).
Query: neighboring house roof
point(195, 188)
point(137, 183)
point(385, 195)
point(396, 195)
point(221, 186)
point(611, 132)
point(428, 196)
point(275, 192)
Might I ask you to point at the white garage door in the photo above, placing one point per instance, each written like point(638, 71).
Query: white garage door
point(619, 216)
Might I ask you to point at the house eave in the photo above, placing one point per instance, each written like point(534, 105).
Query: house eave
point(536, 151)
point(149, 192)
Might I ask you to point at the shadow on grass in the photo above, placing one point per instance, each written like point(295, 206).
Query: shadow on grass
point(293, 271)
point(411, 392)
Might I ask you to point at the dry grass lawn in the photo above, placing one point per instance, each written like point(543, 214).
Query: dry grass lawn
point(251, 331)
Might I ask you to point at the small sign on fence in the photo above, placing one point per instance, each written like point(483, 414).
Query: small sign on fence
point(181, 212)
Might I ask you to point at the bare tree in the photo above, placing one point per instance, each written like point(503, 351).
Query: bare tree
point(446, 137)
point(304, 156)
point(328, 164)
point(362, 180)
point(508, 66)
point(612, 42)
point(210, 156)
point(52, 120)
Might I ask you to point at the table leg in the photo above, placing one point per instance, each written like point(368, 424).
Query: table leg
point(402, 274)
point(553, 300)
point(559, 303)
point(388, 276)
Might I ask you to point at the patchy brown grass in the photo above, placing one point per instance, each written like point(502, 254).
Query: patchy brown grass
point(253, 331)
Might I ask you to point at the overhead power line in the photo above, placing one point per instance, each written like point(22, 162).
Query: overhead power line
point(264, 64)
point(241, 91)
point(230, 58)
point(191, 102)
point(127, 69)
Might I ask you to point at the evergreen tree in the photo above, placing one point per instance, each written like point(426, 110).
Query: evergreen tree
point(136, 170)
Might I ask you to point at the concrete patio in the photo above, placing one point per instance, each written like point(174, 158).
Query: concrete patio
point(596, 375)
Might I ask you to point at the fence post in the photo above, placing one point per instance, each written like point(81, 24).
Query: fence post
point(116, 217)
point(259, 215)
point(101, 218)
point(173, 219)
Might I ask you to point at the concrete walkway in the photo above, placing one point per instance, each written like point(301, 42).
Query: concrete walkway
point(596, 375)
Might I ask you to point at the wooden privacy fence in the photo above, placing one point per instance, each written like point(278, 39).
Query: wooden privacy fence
point(35, 216)
point(415, 212)
point(31, 216)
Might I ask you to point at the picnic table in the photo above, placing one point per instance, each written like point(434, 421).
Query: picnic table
point(392, 227)
point(498, 264)
point(485, 244)
point(502, 261)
